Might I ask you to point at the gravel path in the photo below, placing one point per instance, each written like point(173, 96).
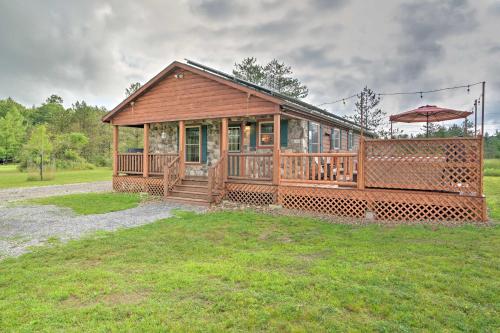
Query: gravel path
point(25, 226)
point(21, 193)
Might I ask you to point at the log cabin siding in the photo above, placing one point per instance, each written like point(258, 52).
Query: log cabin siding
point(191, 97)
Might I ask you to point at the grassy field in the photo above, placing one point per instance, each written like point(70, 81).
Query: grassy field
point(492, 192)
point(92, 203)
point(492, 167)
point(245, 271)
point(11, 177)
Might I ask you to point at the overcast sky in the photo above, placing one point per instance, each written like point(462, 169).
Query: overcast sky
point(92, 50)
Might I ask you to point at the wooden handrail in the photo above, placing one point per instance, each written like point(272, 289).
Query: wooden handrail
point(171, 175)
point(216, 179)
point(335, 168)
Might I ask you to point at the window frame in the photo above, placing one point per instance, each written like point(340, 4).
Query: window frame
point(259, 133)
point(350, 140)
point(336, 139)
point(239, 141)
point(186, 144)
point(309, 137)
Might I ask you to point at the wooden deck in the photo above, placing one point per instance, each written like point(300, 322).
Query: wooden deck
point(410, 179)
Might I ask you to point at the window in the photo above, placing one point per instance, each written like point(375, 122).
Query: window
point(234, 139)
point(336, 139)
point(314, 137)
point(266, 133)
point(350, 140)
point(193, 144)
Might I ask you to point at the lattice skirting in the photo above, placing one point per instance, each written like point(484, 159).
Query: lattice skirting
point(385, 205)
point(251, 193)
point(333, 201)
point(136, 184)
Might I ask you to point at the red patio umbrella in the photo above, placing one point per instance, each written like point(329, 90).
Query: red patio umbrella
point(428, 114)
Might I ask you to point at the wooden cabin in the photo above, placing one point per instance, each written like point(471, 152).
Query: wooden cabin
point(208, 136)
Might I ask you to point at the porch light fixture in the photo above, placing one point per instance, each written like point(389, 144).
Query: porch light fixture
point(179, 76)
point(163, 135)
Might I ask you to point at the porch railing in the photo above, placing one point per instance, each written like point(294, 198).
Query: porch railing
point(255, 166)
point(319, 168)
point(130, 163)
point(216, 180)
point(157, 162)
point(171, 174)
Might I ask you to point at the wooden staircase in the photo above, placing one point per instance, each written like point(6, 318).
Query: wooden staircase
point(190, 190)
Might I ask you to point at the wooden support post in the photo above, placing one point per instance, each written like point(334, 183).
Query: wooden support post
point(224, 145)
point(276, 150)
point(166, 180)
point(115, 149)
point(182, 147)
point(361, 161)
point(145, 154)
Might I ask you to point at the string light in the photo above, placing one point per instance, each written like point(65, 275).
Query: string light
point(422, 92)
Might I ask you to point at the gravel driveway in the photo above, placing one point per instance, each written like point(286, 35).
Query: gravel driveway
point(21, 193)
point(25, 226)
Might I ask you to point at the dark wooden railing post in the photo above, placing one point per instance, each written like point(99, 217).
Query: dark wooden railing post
point(166, 180)
point(361, 161)
point(210, 184)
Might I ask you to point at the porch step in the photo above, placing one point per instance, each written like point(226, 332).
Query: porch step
point(195, 181)
point(188, 201)
point(192, 188)
point(188, 194)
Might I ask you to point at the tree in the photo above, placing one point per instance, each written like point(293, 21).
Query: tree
point(68, 149)
point(274, 75)
point(54, 99)
point(39, 148)
point(367, 112)
point(12, 134)
point(132, 88)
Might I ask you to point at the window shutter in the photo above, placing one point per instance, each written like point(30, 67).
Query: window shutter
point(320, 138)
point(204, 140)
point(284, 132)
point(253, 136)
point(309, 144)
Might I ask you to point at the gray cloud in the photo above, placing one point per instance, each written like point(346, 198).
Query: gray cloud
point(216, 9)
point(92, 50)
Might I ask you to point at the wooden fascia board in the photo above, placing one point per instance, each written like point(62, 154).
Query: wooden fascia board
point(176, 64)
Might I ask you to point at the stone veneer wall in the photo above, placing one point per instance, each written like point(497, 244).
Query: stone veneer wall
point(157, 145)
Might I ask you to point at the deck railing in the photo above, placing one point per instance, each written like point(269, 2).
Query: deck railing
point(171, 174)
point(254, 166)
point(157, 162)
point(130, 163)
point(437, 164)
point(319, 168)
point(216, 180)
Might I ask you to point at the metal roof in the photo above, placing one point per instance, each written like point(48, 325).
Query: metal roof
point(289, 101)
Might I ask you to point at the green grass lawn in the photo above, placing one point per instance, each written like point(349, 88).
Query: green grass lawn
point(242, 271)
point(492, 192)
point(11, 177)
point(92, 203)
point(492, 167)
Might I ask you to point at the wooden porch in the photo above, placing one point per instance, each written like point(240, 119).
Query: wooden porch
point(403, 179)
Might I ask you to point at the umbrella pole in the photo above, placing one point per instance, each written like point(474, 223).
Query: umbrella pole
point(465, 127)
point(391, 131)
point(475, 117)
point(427, 116)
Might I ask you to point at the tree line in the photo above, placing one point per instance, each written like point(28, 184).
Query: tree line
point(74, 137)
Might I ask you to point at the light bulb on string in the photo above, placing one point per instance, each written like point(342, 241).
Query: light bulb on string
point(468, 89)
point(421, 95)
